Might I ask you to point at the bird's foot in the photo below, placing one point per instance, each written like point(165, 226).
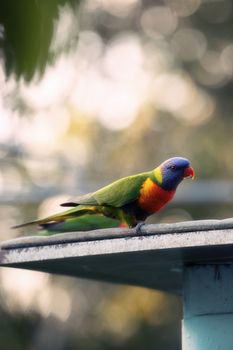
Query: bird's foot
point(138, 227)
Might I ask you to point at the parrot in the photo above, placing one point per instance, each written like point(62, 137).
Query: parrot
point(126, 202)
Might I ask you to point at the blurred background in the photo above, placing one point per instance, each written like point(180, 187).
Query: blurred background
point(91, 92)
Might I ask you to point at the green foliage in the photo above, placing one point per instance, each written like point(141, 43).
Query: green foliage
point(27, 28)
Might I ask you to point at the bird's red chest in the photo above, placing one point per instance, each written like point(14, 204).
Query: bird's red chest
point(152, 197)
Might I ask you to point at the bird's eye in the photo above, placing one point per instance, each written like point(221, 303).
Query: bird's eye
point(172, 167)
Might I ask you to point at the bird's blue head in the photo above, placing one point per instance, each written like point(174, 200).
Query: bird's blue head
point(173, 171)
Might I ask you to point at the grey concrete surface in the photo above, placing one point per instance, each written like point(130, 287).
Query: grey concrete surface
point(154, 259)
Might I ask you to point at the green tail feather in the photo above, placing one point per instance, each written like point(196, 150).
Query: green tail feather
point(81, 218)
point(82, 223)
point(60, 217)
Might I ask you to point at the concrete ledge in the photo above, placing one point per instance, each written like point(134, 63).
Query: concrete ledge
point(154, 259)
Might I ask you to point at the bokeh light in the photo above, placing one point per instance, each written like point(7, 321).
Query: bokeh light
point(127, 84)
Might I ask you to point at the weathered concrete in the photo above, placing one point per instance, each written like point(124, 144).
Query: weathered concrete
point(208, 307)
point(154, 259)
point(193, 258)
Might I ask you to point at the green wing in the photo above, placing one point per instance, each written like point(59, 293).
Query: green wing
point(121, 192)
point(117, 194)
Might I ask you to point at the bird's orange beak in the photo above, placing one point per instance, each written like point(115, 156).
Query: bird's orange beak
point(189, 173)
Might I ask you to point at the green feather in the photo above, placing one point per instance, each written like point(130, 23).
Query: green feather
point(100, 209)
point(83, 217)
point(117, 194)
point(83, 223)
point(68, 214)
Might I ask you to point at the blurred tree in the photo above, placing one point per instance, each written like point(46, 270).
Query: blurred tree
point(26, 30)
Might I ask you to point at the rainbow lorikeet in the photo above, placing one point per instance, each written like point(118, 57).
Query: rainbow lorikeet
point(124, 203)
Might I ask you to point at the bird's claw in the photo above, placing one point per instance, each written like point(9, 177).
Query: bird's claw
point(138, 228)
